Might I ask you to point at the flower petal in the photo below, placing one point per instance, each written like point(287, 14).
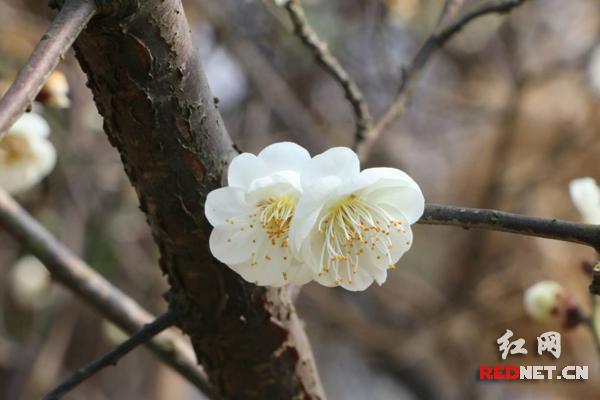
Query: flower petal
point(317, 196)
point(284, 156)
point(360, 281)
point(401, 237)
point(224, 203)
point(31, 124)
point(28, 171)
point(391, 186)
point(282, 183)
point(340, 162)
point(272, 266)
point(245, 168)
point(585, 194)
point(408, 200)
point(235, 242)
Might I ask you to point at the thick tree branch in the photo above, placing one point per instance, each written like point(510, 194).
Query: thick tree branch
point(159, 112)
point(436, 214)
point(59, 37)
point(149, 331)
point(410, 73)
point(92, 288)
point(320, 50)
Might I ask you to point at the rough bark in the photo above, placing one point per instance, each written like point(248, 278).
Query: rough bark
point(159, 113)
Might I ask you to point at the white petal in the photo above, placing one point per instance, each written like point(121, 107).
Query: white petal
point(234, 243)
point(245, 168)
point(224, 203)
point(371, 176)
point(391, 186)
point(315, 197)
point(23, 174)
point(401, 237)
point(541, 299)
point(284, 156)
point(408, 200)
point(361, 280)
point(283, 183)
point(300, 274)
point(272, 266)
point(380, 276)
point(340, 162)
point(31, 124)
point(326, 279)
point(586, 197)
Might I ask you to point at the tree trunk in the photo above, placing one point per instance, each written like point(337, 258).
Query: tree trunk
point(159, 113)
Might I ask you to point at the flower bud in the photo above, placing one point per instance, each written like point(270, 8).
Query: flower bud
point(548, 301)
point(585, 194)
point(55, 91)
point(30, 283)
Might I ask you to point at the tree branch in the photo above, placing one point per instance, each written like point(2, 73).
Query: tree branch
point(409, 74)
point(92, 288)
point(436, 214)
point(59, 37)
point(320, 50)
point(150, 330)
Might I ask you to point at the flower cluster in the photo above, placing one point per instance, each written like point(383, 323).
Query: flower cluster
point(288, 218)
point(26, 155)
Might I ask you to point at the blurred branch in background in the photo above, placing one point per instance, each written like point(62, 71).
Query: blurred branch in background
point(410, 73)
point(64, 29)
point(319, 48)
point(149, 331)
point(95, 290)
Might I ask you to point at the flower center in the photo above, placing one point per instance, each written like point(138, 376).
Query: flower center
point(14, 148)
point(275, 216)
point(353, 228)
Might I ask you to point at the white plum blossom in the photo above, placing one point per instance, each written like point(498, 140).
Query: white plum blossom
point(594, 71)
point(543, 301)
point(252, 215)
point(26, 155)
point(585, 194)
point(30, 283)
point(350, 226)
point(55, 92)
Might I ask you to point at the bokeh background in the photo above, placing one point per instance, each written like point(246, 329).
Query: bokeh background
point(503, 117)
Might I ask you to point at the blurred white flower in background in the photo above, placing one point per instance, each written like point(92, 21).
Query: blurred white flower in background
point(26, 155)
point(585, 194)
point(350, 226)
point(55, 92)
point(594, 71)
point(251, 217)
point(29, 283)
point(549, 301)
point(225, 75)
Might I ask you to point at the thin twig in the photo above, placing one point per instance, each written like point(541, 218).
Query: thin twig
point(443, 13)
point(92, 288)
point(64, 29)
point(320, 50)
point(434, 42)
point(150, 330)
point(437, 214)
